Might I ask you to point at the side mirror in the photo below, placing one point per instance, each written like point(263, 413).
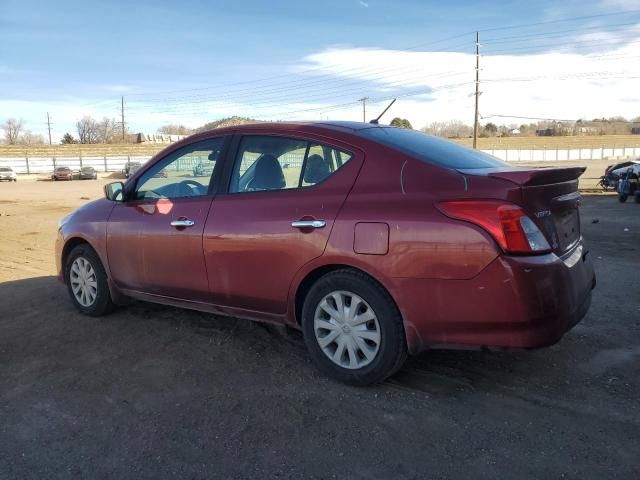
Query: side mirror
point(114, 191)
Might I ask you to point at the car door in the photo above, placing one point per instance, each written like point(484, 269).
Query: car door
point(154, 238)
point(276, 215)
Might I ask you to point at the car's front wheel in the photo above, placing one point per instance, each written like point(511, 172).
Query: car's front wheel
point(86, 281)
point(353, 329)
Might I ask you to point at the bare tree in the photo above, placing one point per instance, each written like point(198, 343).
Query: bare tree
point(12, 129)
point(449, 129)
point(88, 130)
point(109, 130)
point(30, 138)
point(174, 130)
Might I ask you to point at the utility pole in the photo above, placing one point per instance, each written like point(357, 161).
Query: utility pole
point(364, 107)
point(122, 111)
point(475, 118)
point(49, 127)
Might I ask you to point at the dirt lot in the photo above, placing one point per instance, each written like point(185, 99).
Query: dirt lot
point(156, 392)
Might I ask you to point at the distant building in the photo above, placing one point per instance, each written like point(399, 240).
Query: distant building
point(515, 131)
point(155, 138)
point(635, 131)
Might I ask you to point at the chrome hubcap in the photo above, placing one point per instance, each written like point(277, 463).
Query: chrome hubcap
point(84, 283)
point(347, 329)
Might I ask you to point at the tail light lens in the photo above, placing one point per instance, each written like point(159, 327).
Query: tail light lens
point(507, 223)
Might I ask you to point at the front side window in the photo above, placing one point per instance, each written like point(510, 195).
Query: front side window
point(187, 172)
point(278, 163)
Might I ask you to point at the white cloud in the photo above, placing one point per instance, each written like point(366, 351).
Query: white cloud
point(556, 84)
point(553, 85)
point(363, 4)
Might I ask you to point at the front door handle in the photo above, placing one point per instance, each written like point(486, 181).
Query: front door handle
point(182, 223)
point(308, 224)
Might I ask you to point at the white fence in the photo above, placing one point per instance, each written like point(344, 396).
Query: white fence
point(117, 163)
point(564, 154)
point(47, 164)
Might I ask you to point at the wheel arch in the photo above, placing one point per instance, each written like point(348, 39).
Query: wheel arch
point(319, 271)
point(68, 247)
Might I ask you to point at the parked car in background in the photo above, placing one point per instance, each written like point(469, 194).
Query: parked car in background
point(130, 168)
point(7, 173)
point(376, 242)
point(88, 173)
point(203, 169)
point(62, 173)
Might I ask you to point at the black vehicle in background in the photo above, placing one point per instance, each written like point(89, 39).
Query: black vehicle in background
point(130, 168)
point(88, 173)
point(609, 181)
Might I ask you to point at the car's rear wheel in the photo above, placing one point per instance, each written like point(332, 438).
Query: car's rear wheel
point(87, 282)
point(353, 329)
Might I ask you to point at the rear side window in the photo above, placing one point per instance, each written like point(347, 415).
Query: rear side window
point(279, 163)
point(431, 149)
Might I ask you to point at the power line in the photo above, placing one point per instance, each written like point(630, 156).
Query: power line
point(561, 20)
point(414, 47)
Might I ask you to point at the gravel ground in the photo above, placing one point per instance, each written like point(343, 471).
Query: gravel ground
point(157, 392)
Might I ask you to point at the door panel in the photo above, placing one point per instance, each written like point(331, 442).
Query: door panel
point(252, 251)
point(154, 240)
point(147, 254)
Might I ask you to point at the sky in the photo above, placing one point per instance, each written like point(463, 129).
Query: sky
point(191, 62)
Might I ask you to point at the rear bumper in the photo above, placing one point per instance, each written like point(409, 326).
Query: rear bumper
point(514, 303)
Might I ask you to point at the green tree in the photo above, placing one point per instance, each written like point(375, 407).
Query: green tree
point(491, 128)
point(68, 139)
point(401, 122)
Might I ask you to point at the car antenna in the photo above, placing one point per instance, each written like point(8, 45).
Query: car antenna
point(375, 120)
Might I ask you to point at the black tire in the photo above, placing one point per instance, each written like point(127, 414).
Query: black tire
point(622, 198)
point(102, 303)
point(392, 350)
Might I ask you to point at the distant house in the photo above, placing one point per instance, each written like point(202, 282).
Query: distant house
point(155, 138)
point(587, 130)
point(635, 130)
point(515, 131)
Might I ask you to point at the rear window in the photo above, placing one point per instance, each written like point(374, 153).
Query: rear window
point(5, 169)
point(431, 149)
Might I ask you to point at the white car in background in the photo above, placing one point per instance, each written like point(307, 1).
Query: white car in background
point(7, 173)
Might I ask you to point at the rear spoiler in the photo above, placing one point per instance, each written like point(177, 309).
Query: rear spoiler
point(528, 176)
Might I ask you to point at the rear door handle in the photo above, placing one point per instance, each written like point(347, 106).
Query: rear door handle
point(182, 223)
point(309, 224)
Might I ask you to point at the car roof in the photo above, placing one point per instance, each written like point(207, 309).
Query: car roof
point(343, 126)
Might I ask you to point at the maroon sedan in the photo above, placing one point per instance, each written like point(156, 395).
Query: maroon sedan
point(62, 173)
point(375, 241)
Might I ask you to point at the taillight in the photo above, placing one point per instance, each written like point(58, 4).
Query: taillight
point(514, 231)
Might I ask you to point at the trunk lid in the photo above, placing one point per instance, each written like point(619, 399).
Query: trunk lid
point(549, 196)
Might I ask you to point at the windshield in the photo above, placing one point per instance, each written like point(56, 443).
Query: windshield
point(431, 149)
point(5, 169)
